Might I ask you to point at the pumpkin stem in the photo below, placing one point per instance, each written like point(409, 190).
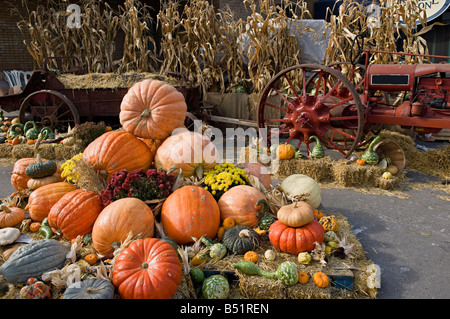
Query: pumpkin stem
point(5, 209)
point(199, 171)
point(146, 114)
point(245, 233)
point(144, 265)
point(38, 158)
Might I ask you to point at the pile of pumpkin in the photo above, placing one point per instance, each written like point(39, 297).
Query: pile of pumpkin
point(142, 245)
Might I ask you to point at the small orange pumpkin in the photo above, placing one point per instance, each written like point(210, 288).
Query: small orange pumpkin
point(251, 256)
point(360, 161)
point(34, 227)
point(303, 277)
point(321, 279)
point(228, 223)
point(285, 151)
point(91, 259)
point(318, 214)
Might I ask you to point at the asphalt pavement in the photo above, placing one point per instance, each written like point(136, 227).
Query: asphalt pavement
point(409, 238)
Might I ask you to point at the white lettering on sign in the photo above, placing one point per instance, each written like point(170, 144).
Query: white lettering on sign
point(74, 19)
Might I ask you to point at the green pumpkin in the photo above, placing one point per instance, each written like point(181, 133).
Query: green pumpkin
point(239, 239)
point(317, 151)
point(41, 168)
point(215, 287)
point(369, 155)
point(32, 132)
point(15, 130)
point(266, 220)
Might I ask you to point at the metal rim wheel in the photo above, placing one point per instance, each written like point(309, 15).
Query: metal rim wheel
point(312, 99)
point(49, 108)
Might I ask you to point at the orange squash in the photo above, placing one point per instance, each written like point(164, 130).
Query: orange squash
point(117, 150)
point(192, 152)
point(42, 199)
point(321, 279)
point(75, 213)
point(117, 220)
point(303, 277)
point(239, 203)
point(285, 151)
point(152, 109)
point(11, 216)
point(188, 212)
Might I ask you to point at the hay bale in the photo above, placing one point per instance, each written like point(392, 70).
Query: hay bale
point(64, 152)
point(356, 175)
point(318, 169)
point(5, 150)
point(22, 151)
point(387, 184)
point(47, 151)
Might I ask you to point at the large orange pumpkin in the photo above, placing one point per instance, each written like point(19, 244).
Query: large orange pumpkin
point(117, 220)
point(75, 213)
point(192, 152)
point(188, 212)
point(147, 269)
point(117, 150)
point(239, 203)
point(152, 109)
point(19, 179)
point(294, 240)
point(42, 199)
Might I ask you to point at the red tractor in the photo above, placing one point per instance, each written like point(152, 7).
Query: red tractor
point(342, 103)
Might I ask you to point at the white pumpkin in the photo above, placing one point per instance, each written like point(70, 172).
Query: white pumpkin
point(298, 184)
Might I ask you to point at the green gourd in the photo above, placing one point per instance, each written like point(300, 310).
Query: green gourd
point(215, 287)
point(286, 272)
point(317, 151)
point(266, 220)
point(369, 155)
point(46, 133)
point(216, 251)
point(32, 132)
point(45, 229)
point(15, 130)
point(197, 275)
point(41, 168)
point(240, 239)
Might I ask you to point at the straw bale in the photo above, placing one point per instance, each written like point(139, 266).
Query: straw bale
point(5, 150)
point(354, 174)
point(64, 152)
point(22, 151)
point(318, 169)
point(46, 151)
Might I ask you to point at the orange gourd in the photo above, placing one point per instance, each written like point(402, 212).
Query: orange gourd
point(117, 150)
point(11, 216)
point(228, 223)
point(188, 212)
point(34, 227)
point(285, 151)
point(294, 240)
point(360, 162)
point(251, 256)
point(117, 220)
point(152, 109)
point(91, 259)
point(42, 199)
point(303, 277)
point(192, 152)
point(75, 213)
point(321, 279)
point(147, 269)
point(239, 203)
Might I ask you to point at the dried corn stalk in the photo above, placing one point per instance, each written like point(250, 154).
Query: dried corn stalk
point(396, 29)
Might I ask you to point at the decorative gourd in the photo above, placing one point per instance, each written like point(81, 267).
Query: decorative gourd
point(251, 256)
point(270, 255)
point(360, 162)
point(46, 133)
point(318, 214)
point(197, 275)
point(42, 199)
point(35, 183)
point(392, 169)
point(117, 220)
point(217, 250)
point(34, 259)
point(34, 227)
point(147, 269)
point(228, 223)
point(239, 204)
point(117, 150)
point(15, 130)
point(294, 240)
point(370, 156)
point(260, 172)
point(215, 287)
point(8, 235)
point(330, 236)
point(303, 277)
point(321, 279)
point(75, 213)
point(11, 216)
point(190, 211)
point(329, 223)
point(192, 152)
point(152, 109)
point(317, 151)
point(41, 168)
point(240, 239)
point(285, 151)
point(35, 290)
point(92, 288)
point(68, 141)
point(31, 131)
point(286, 272)
point(199, 258)
point(299, 184)
point(91, 259)
point(304, 258)
point(295, 214)
point(386, 175)
point(266, 220)
point(45, 229)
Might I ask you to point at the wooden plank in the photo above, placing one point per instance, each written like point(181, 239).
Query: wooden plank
point(444, 134)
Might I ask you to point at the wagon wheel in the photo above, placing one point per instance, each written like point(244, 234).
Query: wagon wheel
point(49, 108)
point(312, 99)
